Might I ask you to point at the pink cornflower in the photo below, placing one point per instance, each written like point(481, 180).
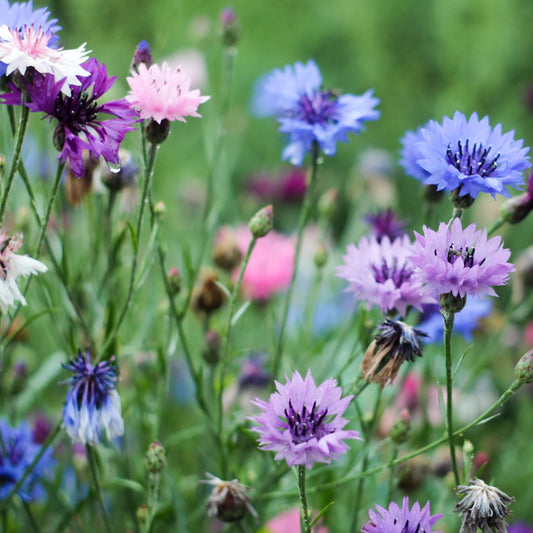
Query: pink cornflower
point(288, 522)
point(271, 264)
point(460, 261)
point(30, 48)
point(163, 92)
point(303, 423)
point(381, 274)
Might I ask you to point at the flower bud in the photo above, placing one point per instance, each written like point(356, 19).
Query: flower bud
point(155, 459)
point(461, 202)
point(157, 132)
point(142, 515)
point(516, 209)
point(116, 178)
point(321, 256)
point(524, 368)
point(328, 203)
point(261, 223)
point(174, 280)
point(208, 296)
point(451, 303)
point(213, 344)
point(230, 30)
point(399, 432)
point(142, 55)
point(160, 209)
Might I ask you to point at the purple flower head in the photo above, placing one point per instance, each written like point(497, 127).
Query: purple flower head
point(80, 117)
point(17, 452)
point(18, 15)
point(410, 154)
point(381, 274)
point(385, 223)
point(460, 261)
point(303, 423)
point(309, 114)
point(520, 527)
point(401, 520)
point(468, 156)
point(92, 403)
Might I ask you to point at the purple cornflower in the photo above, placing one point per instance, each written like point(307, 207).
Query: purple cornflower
point(460, 261)
point(520, 527)
point(385, 223)
point(381, 274)
point(21, 14)
point(469, 157)
point(308, 113)
point(401, 520)
point(303, 423)
point(81, 123)
point(92, 403)
point(17, 452)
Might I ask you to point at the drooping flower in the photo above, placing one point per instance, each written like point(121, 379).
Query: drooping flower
point(460, 261)
point(401, 520)
point(163, 93)
point(303, 423)
point(12, 266)
point(483, 506)
point(381, 274)
point(469, 157)
point(82, 123)
point(17, 452)
point(385, 223)
point(395, 343)
point(30, 48)
point(92, 404)
point(308, 113)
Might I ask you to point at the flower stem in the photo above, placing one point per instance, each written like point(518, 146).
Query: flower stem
point(390, 488)
point(304, 521)
point(305, 214)
point(495, 226)
point(17, 152)
point(94, 473)
point(153, 497)
point(448, 329)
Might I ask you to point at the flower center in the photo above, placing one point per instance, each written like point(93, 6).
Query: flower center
point(318, 109)
point(76, 111)
point(306, 424)
point(391, 271)
point(412, 529)
point(476, 160)
point(467, 255)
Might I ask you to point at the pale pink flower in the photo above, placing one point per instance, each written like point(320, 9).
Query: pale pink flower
point(271, 264)
point(29, 48)
point(163, 92)
point(288, 522)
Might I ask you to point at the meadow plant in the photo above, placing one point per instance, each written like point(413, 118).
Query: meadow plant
point(185, 300)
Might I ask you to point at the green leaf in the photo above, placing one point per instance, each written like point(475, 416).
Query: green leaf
point(321, 513)
point(134, 241)
point(240, 312)
point(31, 319)
point(119, 482)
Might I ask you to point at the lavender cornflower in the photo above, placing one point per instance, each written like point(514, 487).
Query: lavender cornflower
point(17, 452)
point(303, 423)
point(381, 274)
point(92, 403)
point(81, 123)
point(460, 261)
point(308, 113)
point(385, 223)
point(469, 157)
point(401, 520)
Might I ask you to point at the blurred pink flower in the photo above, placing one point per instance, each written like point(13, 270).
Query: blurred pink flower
point(271, 264)
point(288, 522)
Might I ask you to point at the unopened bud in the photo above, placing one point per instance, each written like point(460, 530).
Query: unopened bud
point(399, 432)
point(328, 203)
point(461, 202)
point(142, 55)
point(160, 209)
point(230, 30)
point(155, 459)
point(261, 223)
point(321, 256)
point(213, 344)
point(142, 515)
point(208, 296)
point(524, 368)
point(451, 303)
point(157, 132)
point(517, 209)
point(174, 280)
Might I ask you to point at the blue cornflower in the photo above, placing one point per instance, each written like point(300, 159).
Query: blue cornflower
point(92, 403)
point(17, 452)
point(308, 113)
point(469, 157)
point(410, 154)
point(18, 15)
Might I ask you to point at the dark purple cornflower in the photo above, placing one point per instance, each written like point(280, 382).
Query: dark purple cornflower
point(81, 122)
point(385, 223)
point(303, 423)
point(401, 520)
point(308, 113)
point(469, 157)
point(92, 403)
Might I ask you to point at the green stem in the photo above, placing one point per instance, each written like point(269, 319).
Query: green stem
point(153, 497)
point(390, 488)
point(97, 488)
point(305, 525)
point(17, 152)
point(448, 330)
point(457, 213)
point(495, 226)
point(305, 214)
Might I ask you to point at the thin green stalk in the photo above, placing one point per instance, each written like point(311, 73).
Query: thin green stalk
point(153, 497)
point(17, 152)
point(305, 524)
point(31, 518)
point(390, 487)
point(448, 330)
point(457, 213)
point(496, 225)
point(98, 490)
point(305, 214)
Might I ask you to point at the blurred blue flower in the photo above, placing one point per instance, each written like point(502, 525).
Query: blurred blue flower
point(466, 321)
point(308, 113)
point(92, 403)
point(410, 154)
point(17, 452)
